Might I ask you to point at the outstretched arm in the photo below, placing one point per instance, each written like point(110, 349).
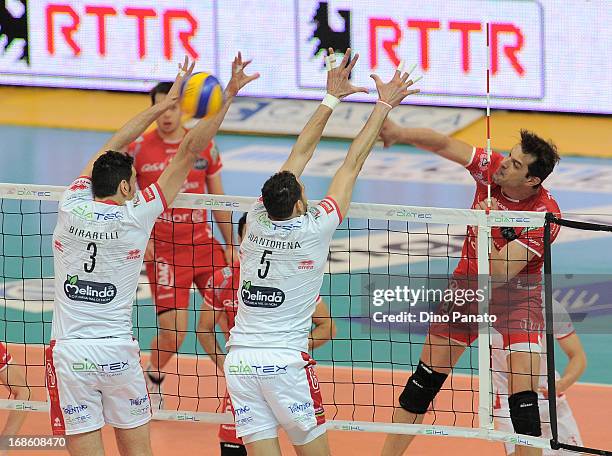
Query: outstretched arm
point(427, 139)
point(198, 138)
point(138, 124)
point(338, 86)
point(389, 96)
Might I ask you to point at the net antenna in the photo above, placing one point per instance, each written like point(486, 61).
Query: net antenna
point(485, 393)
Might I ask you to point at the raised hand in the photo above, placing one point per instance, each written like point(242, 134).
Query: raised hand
point(338, 83)
point(185, 71)
point(239, 77)
point(394, 91)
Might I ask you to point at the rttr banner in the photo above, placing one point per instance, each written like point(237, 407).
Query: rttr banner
point(550, 55)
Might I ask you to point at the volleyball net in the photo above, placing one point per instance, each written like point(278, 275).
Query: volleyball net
point(390, 269)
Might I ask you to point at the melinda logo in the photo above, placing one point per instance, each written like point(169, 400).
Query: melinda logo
point(254, 296)
point(83, 290)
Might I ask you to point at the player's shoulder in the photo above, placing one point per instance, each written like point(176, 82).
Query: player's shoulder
point(546, 202)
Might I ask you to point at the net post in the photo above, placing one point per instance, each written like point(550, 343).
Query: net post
point(485, 402)
point(550, 339)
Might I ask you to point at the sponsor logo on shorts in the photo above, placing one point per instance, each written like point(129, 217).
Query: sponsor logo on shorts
point(78, 419)
point(89, 367)
point(242, 410)
point(243, 368)
point(83, 290)
point(165, 273)
point(243, 421)
point(139, 400)
point(186, 417)
point(300, 407)
point(72, 409)
point(256, 296)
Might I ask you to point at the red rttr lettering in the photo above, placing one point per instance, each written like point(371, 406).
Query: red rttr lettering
point(425, 28)
point(104, 15)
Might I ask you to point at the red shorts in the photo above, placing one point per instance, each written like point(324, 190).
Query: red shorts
point(176, 267)
point(519, 319)
point(5, 357)
point(227, 432)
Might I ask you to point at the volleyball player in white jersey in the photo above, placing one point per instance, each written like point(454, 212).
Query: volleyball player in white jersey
point(93, 367)
point(569, 342)
point(270, 376)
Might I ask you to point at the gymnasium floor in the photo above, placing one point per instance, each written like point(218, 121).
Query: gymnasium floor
point(401, 175)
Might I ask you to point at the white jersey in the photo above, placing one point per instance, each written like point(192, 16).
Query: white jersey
point(281, 273)
point(563, 327)
point(98, 250)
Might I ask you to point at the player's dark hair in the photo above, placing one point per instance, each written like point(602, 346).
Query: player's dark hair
point(108, 172)
point(544, 152)
point(241, 225)
point(280, 193)
point(161, 87)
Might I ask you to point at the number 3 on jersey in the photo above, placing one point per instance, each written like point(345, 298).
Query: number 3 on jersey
point(93, 248)
point(263, 274)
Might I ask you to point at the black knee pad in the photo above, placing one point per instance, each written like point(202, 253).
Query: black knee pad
point(232, 449)
point(525, 413)
point(421, 389)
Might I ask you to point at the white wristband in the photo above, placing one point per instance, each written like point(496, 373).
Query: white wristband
point(330, 101)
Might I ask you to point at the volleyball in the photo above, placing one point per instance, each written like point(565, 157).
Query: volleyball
point(201, 95)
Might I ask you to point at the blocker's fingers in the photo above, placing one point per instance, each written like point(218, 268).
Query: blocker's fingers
point(345, 59)
point(352, 63)
point(400, 67)
point(412, 68)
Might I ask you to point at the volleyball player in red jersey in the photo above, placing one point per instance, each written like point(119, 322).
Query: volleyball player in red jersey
point(516, 261)
point(182, 249)
point(222, 301)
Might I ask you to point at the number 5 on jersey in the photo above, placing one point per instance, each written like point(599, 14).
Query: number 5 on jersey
point(265, 264)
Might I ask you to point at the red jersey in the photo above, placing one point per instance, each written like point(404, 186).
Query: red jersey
point(151, 156)
point(221, 292)
point(530, 238)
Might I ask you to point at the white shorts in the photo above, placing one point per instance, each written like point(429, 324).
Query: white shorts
point(272, 387)
point(92, 382)
point(566, 424)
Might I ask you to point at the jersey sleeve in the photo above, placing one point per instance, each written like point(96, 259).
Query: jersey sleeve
point(148, 204)
point(533, 238)
point(214, 159)
point(562, 322)
point(326, 215)
point(78, 191)
point(479, 165)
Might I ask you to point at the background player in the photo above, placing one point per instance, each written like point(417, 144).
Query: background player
point(270, 377)
point(182, 249)
point(516, 185)
point(221, 296)
point(13, 378)
point(93, 362)
point(569, 342)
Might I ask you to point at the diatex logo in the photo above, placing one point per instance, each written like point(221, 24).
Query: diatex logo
point(446, 40)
